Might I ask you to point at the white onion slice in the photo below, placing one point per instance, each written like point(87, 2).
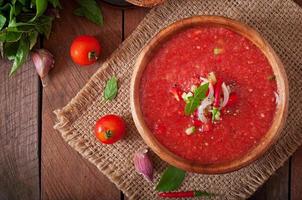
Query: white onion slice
point(277, 98)
point(205, 103)
point(226, 94)
point(204, 80)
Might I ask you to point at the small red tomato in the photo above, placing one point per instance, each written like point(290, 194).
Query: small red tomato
point(85, 50)
point(110, 128)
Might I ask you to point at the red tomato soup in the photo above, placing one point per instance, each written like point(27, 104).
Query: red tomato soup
point(235, 69)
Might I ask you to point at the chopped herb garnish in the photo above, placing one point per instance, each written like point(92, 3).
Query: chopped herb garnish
point(190, 130)
point(186, 96)
point(215, 114)
point(217, 51)
point(194, 101)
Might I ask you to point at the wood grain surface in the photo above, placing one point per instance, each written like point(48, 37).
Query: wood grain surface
point(19, 161)
point(65, 175)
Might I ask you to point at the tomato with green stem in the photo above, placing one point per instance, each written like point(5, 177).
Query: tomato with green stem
point(85, 50)
point(110, 128)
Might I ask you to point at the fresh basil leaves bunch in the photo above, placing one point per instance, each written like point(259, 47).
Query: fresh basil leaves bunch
point(21, 21)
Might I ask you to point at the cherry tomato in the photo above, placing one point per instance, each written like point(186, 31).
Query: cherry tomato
point(85, 50)
point(110, 128)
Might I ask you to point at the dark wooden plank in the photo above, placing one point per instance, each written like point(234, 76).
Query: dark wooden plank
point(296, 165)
point(19, 161)
point(276, 187)
point(132, 17)
point(296, 175)
point(65, 174)
point(299, 2)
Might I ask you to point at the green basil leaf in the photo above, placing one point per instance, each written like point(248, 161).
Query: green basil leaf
point(79, 12)
point(2, 21)
point(6, 7)
point(7, 36)
point(44, 24)
point(90, 10)
point(21, 55)
point(33, 36)
point(23, 2)
point(111, 89)
point(55, 3)
point(18, 8)
point(194, 102)
point(171, 179)
point(11, 12)
point(10, 49)
point(41, 6)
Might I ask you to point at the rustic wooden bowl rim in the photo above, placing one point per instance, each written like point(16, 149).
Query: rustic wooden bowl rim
point(281, 111)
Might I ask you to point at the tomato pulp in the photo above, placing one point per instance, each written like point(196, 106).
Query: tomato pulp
point(195, 52)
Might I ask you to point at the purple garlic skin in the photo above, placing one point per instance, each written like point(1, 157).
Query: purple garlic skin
point(43, 61)
point(143, 164)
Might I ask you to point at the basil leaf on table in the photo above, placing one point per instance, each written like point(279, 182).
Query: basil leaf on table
point(90, 10)
point(8, 36)
point(21, 55)
point(194, 101)
point(111, 89)
point(171, 179)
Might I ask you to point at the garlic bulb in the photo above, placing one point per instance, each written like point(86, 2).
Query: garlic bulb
point(143, 164)
point(43, 61)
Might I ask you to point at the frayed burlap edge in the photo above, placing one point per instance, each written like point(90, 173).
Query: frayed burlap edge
point(260, 172)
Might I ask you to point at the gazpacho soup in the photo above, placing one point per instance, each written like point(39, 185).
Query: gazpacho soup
point(208, 94)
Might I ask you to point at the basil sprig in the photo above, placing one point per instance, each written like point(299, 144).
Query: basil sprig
point(21, 21)
point(194, 101)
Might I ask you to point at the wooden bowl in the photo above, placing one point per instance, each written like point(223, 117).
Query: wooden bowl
point(281, 111)
point(146, 3)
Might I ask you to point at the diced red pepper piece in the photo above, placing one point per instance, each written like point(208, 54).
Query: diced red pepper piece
point(196, 122)
point(217, 93)
point(232, 99)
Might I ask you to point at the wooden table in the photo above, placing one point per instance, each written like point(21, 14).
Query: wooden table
point(35, 162)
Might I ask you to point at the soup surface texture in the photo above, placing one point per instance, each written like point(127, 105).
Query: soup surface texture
point(186, 60)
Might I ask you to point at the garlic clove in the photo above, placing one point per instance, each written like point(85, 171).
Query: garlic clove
point(44, 62)
point(143, 164)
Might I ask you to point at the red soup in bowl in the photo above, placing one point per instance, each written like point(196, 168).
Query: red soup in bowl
point(208, 95)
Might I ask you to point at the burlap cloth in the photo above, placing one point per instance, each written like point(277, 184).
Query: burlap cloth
point(279, 21)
